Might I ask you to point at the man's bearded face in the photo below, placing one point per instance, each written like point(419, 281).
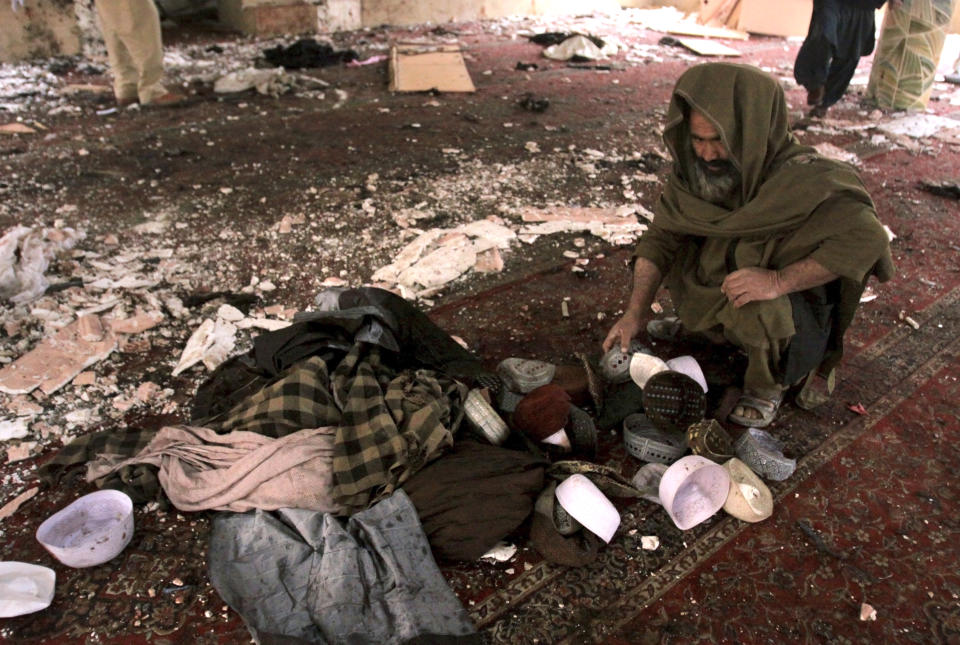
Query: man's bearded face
point(715, 178)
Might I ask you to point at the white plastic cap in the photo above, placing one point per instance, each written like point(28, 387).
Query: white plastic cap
point(692, 489)
point(581, 498)
point(643, 366)
point(25, 588)
point(688, 365)
point(90, 531)
point(749, 498)
point(558, 438)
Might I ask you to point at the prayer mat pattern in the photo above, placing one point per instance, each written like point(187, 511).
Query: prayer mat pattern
point(867, 517)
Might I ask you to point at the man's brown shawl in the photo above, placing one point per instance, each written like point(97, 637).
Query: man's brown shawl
point(792, 204)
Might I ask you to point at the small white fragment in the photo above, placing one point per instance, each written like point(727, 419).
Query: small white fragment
point(867, 612)
point(502, 552)
point(650, 542)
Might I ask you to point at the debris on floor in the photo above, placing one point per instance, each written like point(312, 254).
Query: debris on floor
point(944, 188)
point(57, 359)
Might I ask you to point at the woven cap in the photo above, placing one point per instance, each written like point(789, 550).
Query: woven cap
point(648, 443)
point(525, 375)
point(615, 364)
point(588, 505)
point(749, 498)
point(707, 438)
point(643, 366)
point(582, 432)
point(484, 419)
point(764, 455)
point(673, 401)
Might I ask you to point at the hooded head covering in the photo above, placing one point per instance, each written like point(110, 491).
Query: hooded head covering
point(791, 204)
point(747, 108)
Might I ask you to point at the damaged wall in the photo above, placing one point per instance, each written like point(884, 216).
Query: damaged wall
point(42, 28)
point(406, 12)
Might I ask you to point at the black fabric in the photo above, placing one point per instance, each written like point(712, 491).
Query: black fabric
point(556, 37)
point(307, 52)
point(365, 314)
point(620, 401)
point(813, 319)
point(420, 340)
point(234, 380)
point(841, 31)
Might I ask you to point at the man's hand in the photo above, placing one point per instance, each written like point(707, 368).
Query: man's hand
point(750, 284)
point(753, 283)
point(16, 4)
point(623, 331)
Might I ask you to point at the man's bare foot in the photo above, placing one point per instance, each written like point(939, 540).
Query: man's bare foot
point(756, 409)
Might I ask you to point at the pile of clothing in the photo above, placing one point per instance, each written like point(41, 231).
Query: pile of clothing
point(337, 458)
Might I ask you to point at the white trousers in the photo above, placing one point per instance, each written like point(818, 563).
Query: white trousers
point(131, 30)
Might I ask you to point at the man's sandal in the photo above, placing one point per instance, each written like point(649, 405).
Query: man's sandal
point(670, 329)
point(766, 406)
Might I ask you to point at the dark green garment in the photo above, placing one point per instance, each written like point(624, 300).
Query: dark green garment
point(792, 204)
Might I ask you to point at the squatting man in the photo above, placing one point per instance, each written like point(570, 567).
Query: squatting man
point(762, 242)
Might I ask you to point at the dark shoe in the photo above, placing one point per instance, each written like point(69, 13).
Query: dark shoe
point(818, 112)
point(670, 329)
point(815, 96)
point(167, 100)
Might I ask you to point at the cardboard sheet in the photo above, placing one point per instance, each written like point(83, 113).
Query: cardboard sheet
point(419, 68)
point(703, 31)
point(706, 47)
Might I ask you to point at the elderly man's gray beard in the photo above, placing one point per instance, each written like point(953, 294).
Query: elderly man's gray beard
point(714, 187)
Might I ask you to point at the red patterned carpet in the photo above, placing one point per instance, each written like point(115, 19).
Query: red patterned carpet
point(870, 516)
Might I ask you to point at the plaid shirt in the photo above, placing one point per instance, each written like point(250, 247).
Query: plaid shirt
point(389, 425)
point(139, 481)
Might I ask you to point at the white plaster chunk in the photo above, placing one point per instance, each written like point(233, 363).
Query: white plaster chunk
point(442, 265)
point(55, 361)
point(491, 230)
point(14, 428)
point(229, 313)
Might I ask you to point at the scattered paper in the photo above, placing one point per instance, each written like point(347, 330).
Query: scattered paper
point(857, 408)
point(578, 45)
point(211, 344)
point(705, 47)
